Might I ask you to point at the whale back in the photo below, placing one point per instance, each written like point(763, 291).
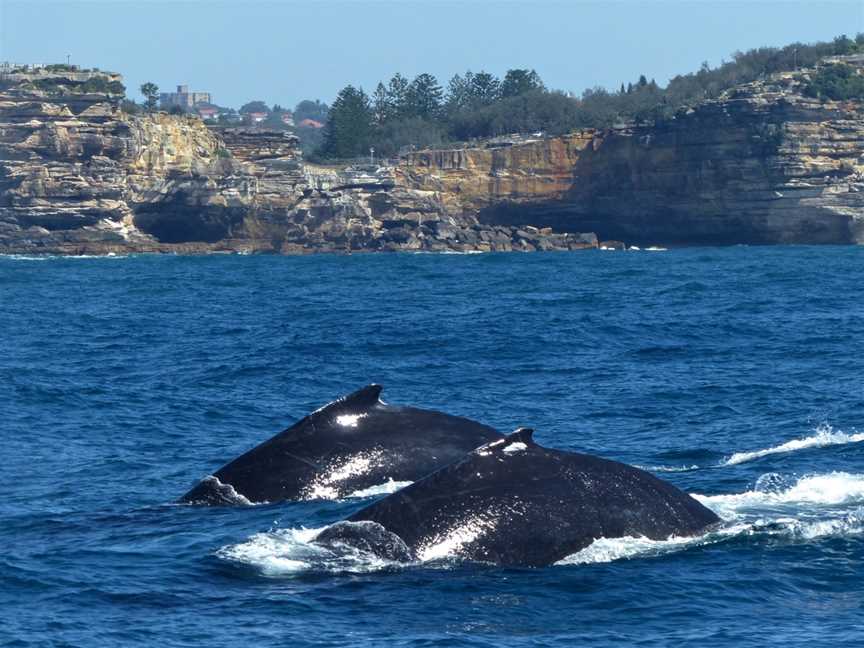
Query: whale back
point(349, 445)
point(514, 502)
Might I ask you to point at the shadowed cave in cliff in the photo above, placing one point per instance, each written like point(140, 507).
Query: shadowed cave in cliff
point(176, 222)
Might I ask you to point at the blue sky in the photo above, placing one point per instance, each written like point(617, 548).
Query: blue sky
point(286, 51)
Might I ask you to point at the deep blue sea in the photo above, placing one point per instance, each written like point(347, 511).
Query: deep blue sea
point(735, 373)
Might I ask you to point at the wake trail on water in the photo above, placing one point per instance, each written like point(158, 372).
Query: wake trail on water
point(824, 436)
point(55, 257)
point(795, 510)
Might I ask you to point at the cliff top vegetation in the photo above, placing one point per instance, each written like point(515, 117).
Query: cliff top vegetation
point(401, 114)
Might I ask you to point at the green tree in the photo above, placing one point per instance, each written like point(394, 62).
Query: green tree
point(844, 45)
point(517, 82)
point(381, 105)
point(397, 96)
point(308, 109)
point(151, 95)
point(254, 106)
point(348, 132)
point(423, 97)
point(485, 89)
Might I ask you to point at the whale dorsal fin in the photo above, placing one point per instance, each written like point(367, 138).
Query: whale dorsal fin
point(521, 435)
point(362, 398)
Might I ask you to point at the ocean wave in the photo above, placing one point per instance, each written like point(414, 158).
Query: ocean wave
point(825, 436)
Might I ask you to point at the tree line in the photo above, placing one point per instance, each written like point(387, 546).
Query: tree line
point(402, 114)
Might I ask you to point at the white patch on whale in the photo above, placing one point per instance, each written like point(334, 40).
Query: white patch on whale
point(390, 486)
point(328, 485)
point(516, 446)
point(349, 420)
point(449, 542)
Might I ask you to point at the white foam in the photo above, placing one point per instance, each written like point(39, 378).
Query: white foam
point(287, 552)
point(825, 436)
point(604, 550)
point(669, 468)
point(54, 257)
point(386, 488)
point(830, 489)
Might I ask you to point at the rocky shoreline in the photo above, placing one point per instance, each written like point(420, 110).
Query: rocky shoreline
point(762, 164)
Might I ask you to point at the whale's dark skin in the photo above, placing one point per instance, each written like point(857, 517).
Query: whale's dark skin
point(354, 443)
point(513, 502)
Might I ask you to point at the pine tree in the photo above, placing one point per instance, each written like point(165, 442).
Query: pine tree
point(381, 105)
point(423, 98)
point(517, 82)
point(348, 132)
point(485, 88)
point(397, 96)
point(459, 92)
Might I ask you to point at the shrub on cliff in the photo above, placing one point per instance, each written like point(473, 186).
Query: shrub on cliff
point(101, 85)
point(837, 82)
point(130, 107)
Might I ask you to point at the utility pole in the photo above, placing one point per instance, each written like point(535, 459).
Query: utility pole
point(795, 59)
point(68, 58)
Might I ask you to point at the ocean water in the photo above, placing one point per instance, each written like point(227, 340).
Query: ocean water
point(736, 373)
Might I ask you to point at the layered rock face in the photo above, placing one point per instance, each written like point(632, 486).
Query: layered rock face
point(80, 176)
point(762, 164)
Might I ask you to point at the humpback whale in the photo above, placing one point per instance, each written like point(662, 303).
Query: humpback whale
point(514, 502)
point(351, 444)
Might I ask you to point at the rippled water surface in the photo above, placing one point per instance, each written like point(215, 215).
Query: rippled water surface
point(734, 373)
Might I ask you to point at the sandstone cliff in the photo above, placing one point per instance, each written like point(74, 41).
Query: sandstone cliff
point(78, 175)
point(761, 164)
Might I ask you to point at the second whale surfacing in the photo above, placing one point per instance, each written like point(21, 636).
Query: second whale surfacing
point(352, 444)
point(514, 502)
